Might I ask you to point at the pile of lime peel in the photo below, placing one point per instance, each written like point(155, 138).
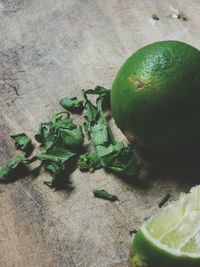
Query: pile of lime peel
point(172, 237)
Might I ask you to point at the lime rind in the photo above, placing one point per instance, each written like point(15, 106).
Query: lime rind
point(138, 261)
point(156, 255)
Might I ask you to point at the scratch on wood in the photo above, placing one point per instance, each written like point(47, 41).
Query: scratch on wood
point(15, 89)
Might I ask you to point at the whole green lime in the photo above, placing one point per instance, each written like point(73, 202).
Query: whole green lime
point(155, 97)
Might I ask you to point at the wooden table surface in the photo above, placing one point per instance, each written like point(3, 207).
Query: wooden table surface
point(50, 49)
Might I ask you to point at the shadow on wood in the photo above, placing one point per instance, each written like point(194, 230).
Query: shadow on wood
point(181, 164)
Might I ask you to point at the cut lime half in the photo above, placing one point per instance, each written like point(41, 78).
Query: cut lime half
point(172, 237)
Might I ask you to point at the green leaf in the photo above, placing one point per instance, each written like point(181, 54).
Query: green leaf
point(112, 156)
point(56, 160)
point(49, 184)
point(98, 90)
point(45, 136)
point(103, 94)
point(96, 124)
point(91, 113)
point(72, 104)
point(102, 91)
point(60, 136)
point(11, 165)
point(73, 138)
point(125, 161)
point(62, 120)
point(106, 153)
point(22, 142)
point(99, 134)
point(131, 232)
point(89, 162)
point(100, 193)
point(60, 129)
point(119, 159)
point(164, 200)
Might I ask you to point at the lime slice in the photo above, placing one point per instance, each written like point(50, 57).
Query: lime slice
point(172, 237)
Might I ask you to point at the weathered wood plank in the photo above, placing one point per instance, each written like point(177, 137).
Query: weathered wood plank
point(49, 49)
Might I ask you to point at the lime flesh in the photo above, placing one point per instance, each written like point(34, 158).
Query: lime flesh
point(172, 237)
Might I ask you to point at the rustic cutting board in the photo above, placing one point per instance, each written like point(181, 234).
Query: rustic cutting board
point(50, 49)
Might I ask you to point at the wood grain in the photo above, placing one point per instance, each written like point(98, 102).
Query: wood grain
point(49, 49)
